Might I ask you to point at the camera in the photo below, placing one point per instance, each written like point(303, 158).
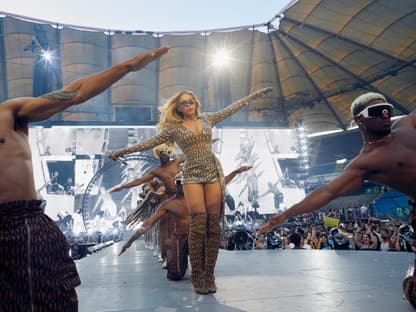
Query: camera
point(273, 241)
point(407, 234)
point(338, 239)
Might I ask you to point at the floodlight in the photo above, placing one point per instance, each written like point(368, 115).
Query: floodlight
point(47, 56)
point(221, 58)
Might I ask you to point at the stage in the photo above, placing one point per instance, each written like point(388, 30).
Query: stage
point(260, 280)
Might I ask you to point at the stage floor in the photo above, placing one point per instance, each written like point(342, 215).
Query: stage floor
point(260, 280)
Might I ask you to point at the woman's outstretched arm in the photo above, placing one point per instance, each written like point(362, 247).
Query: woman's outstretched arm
point(236, 106)
point(165, 136)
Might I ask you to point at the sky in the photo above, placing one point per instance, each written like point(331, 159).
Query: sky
point(156, 15)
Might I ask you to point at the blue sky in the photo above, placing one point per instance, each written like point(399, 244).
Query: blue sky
point(156, 15)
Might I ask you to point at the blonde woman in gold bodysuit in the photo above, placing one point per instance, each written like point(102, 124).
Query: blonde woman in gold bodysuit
point(182, 122)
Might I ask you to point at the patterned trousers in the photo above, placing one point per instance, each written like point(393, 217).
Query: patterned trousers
point(177, 257)
point(36, 271)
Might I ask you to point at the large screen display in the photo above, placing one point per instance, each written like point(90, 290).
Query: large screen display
point(73, 173)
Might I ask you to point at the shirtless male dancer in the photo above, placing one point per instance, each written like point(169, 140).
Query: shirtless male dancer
point(36, 272)
point(388, 156)
point(166, 173)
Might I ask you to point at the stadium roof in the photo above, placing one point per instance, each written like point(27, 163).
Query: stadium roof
point(317, 55)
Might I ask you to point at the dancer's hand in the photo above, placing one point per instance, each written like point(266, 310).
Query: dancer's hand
point(260, 92)
point(257, 94)
point(263, 91)
point(143, 59)
point(116, 155)
point(128, 219)
point(272, 223)
point(140, 231)
point(113, 155)
point(125, 247)
point(244, 168)
point(115, 189)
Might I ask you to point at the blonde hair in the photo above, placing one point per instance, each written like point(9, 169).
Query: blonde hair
point(169, 113)
point(163, 147)
point(363, 100)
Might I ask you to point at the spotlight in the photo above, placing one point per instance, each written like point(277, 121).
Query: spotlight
point(57, 26)
point(47, 56)
point(221, 58)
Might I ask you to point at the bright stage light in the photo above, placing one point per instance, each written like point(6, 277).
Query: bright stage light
point(221, 58)
point(47, 56)
point(341, 161)
point(57, 26)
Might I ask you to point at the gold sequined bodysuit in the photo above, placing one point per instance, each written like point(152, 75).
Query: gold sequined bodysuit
point(201, 165)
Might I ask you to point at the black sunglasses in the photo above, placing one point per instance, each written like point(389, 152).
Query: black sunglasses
point(186, 103)
point(377, 110)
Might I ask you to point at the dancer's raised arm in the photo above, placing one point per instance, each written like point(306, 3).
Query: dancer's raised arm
point(165, 136)
point(42, 107)
point(236, 106)
point(143, 228)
